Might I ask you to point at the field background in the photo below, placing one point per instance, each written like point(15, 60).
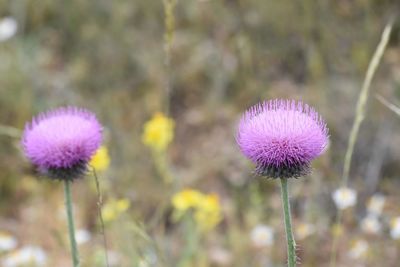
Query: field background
point(112, 57)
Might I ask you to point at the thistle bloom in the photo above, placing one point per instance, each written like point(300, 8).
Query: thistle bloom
point(282, 137)
point(61, 142)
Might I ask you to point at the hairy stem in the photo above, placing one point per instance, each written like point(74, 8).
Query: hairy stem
point(291, 245)
point(71, 227)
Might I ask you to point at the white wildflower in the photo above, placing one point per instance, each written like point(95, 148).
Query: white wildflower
point(82, 236)
point(7, 242)
point(34, 256)
point(395, 228)
point(8, 28)
point(358, 249)
point(371, 225)
point(262, 236)
point(375, 204)
point(344, 197)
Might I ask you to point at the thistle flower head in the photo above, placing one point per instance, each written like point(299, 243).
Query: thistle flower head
point(282, 137)
point(60, 142)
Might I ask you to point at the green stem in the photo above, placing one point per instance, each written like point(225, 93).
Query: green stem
point(191, 246)
point(363, 98)
point(161, 163)
point(291, 250)
point(335, 241)
point(71, 227)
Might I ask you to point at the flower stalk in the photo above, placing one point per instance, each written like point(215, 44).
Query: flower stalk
point(71, 226)
point(192, 242)
point(291, 245)
point(359, 118)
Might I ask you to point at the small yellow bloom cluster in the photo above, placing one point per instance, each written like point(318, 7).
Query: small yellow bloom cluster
point(114, 208)
point(101, 160)
point(158, 132)
point(206, 208)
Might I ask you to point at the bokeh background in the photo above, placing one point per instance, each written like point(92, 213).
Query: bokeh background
point(201, 63)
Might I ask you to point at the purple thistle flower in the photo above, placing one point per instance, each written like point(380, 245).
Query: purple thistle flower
point(60, 142)
point(282, 137)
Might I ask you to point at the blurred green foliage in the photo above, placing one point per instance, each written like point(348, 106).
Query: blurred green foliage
point(226, 55)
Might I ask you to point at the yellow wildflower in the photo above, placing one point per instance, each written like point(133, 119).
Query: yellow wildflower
point(206, 208)
point(123, 204)
point(114, 208)
point(101, 160)
point(158, 132)
point(186, 199)
point(208, 213)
